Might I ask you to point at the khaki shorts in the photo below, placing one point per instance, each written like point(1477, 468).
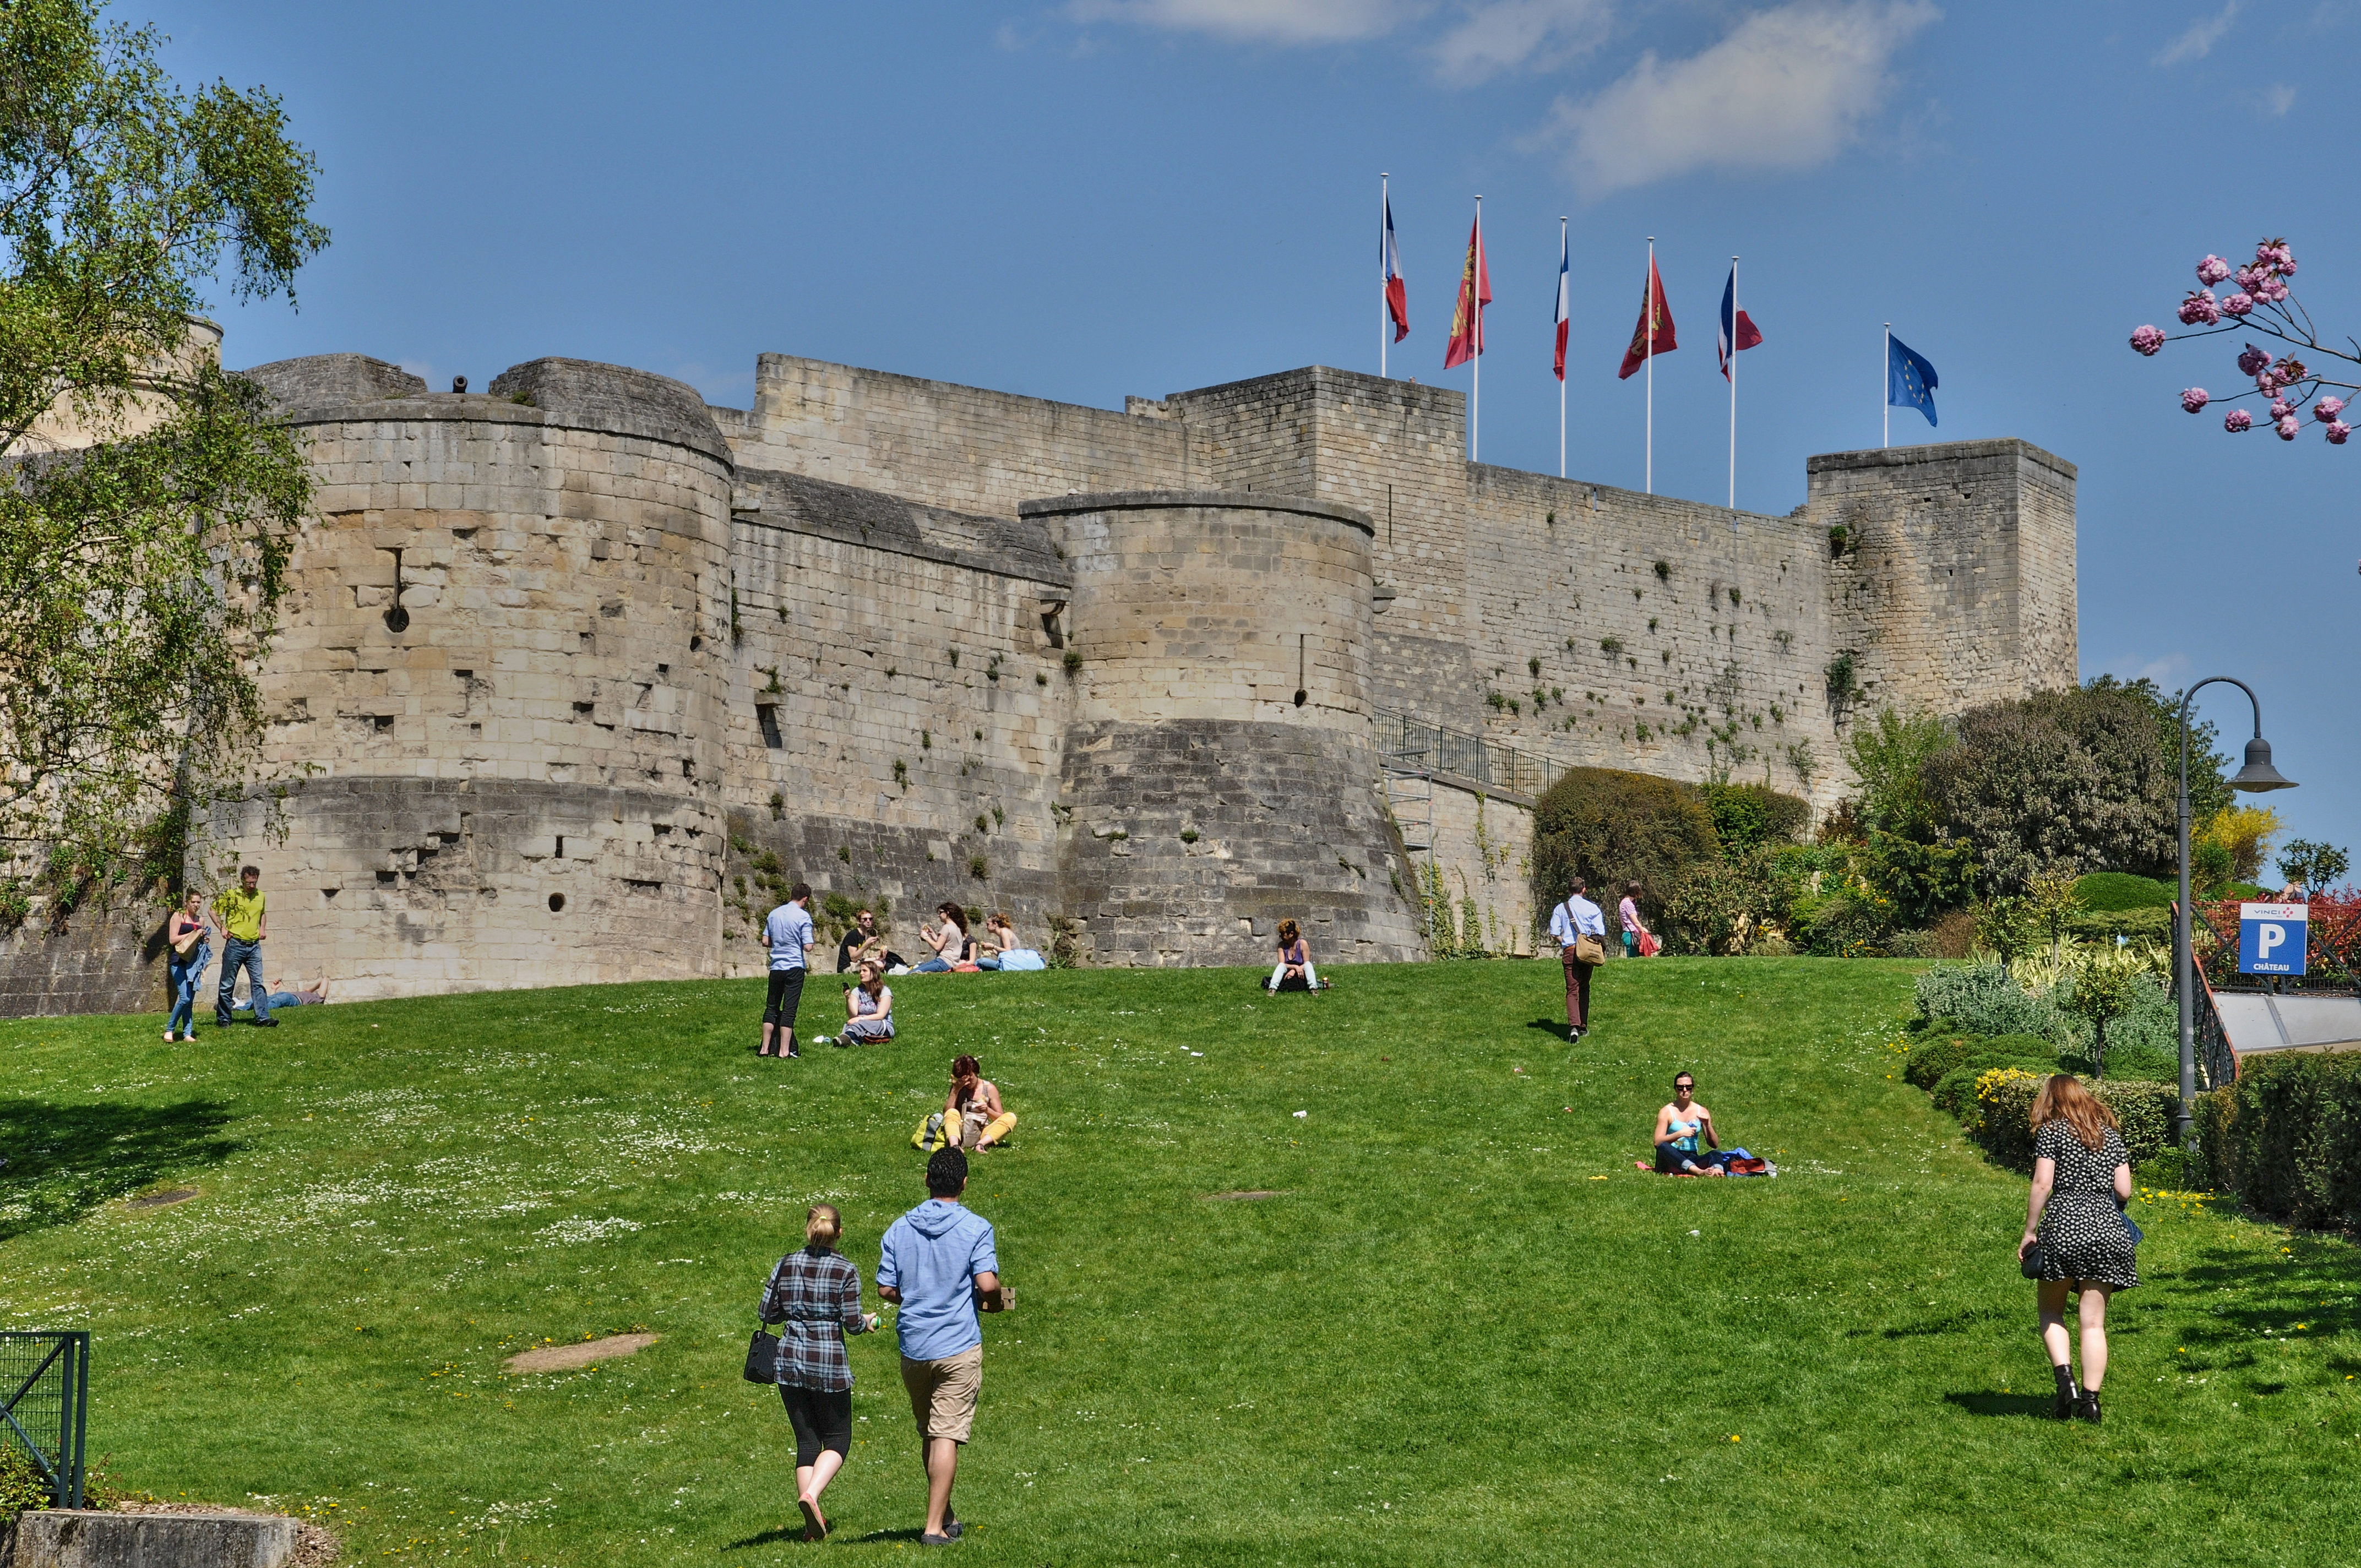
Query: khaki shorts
point(943, 1393)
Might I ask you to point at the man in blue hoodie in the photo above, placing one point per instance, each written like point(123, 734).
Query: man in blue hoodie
point(937, 1263)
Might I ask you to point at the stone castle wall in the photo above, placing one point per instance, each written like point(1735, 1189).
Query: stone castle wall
point(578, 674)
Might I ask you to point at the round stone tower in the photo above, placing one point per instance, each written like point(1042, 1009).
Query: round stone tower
point(496, 697)
point(1219, 774)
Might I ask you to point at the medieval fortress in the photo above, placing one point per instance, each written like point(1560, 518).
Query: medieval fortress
point(577, 671)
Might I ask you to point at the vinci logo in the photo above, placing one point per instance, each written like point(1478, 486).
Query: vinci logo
point(2271, 938)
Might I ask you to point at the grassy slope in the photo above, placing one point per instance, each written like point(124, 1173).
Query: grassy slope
point(1448, 1340)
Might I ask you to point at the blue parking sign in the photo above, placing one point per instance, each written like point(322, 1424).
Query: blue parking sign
point(2272, 938)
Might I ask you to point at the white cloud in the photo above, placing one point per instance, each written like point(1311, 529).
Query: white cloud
point(2163, 670)
point(1508, 35)
point(1787, 89)
point(2198, 40)
point(2277, 100)
point(1263, 21)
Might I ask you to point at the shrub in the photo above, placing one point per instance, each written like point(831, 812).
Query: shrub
point(1983, 998)
point(2142, 1040)
point(1954, 935)
point(2113, 892)
point(1923, 882)
point(2144, 1114)
point(1855, 924)
point(1746, 816)
point(2144, 925)
point(2003, 1122)
point(1719, 908)
point(1614, 826)
point(2287, 1137)
point(1936, 1056)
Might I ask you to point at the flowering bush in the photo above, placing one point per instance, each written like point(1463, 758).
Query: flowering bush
point(2263, 303)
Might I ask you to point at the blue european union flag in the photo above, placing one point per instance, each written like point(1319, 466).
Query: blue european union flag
point(1909, 380)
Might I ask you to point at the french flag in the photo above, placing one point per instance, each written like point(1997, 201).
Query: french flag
point(1397, 292)
point(1564, 315)
point(1737, 330)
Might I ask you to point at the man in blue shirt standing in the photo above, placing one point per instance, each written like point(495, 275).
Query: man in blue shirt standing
point(789, 932)
point(1581, 932)
point(938, 1262)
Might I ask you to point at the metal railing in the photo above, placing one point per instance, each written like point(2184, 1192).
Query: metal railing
point(45, 1403)
point(1412, 744)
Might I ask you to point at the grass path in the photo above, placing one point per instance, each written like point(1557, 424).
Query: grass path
point(1465, 1331)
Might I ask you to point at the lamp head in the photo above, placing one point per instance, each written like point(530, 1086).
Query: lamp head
point(2259, 775)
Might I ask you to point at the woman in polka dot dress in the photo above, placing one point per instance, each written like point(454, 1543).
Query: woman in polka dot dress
point(2081, 1178)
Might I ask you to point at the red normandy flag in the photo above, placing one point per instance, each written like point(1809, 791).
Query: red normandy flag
point(1475, 293)
point(1652, 305)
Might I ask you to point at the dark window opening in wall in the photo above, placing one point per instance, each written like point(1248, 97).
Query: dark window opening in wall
point(696, 644)
point(766, 714)
point(687, 767)
point(386, 879)
point(557, 902)
point(381, 722)
point(560, 847)
point(397, 619)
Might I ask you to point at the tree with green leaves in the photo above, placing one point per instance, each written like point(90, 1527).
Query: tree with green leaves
point(2312, 865)
point(2101, 990)
point(147, 502)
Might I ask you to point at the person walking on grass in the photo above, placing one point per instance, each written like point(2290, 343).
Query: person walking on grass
point(1634, 928)
point(938, 1262)
point(789, 932)
point(815, 1297)
point(188, 953)
point(243, 929)
point(1581, 933)
point(2077, 1237)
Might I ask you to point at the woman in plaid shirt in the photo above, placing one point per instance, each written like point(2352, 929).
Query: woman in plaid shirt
point(816, 1293)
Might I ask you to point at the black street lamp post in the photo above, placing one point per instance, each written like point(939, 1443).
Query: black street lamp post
point(2256, 776)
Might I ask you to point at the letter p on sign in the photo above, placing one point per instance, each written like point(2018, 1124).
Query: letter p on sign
point(2272, 939)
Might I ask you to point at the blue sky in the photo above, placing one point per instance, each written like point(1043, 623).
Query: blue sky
point(1089, 198)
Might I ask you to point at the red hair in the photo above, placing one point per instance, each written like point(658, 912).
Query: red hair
point(2064, 1096)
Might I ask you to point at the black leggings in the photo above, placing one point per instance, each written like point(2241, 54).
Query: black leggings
point(822, 1419)
point(785, 995)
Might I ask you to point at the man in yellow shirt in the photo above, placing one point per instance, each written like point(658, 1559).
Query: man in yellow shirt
point(243, 929)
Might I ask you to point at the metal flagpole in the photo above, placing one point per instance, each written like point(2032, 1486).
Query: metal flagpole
point(1648, 309)
point(1476, 325)
point(1733, 383)
point(1561, 379)
point(1385, 208)
point(1886, 397)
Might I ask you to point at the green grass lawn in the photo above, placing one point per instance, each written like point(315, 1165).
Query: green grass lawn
point(1464, 1329)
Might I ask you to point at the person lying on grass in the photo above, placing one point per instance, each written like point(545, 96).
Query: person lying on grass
point(1679, 1126)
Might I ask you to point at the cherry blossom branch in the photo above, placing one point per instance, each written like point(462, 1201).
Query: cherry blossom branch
point(2266, 305)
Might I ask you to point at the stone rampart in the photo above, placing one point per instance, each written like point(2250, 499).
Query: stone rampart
point(578, 674)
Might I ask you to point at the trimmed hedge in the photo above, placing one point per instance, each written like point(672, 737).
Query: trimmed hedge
point(1936, 1057)
point(1614, 826)
point(2004, 1111)
point(2115, 892)
point(2287, 1137)
point(2103, 925)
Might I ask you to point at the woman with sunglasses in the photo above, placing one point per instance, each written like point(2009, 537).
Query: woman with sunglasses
point(1678, 1127)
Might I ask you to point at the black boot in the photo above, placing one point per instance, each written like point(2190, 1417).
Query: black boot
point(2086, 1405)
point(2069, 1397)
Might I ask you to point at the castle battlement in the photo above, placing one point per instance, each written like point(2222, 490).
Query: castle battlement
point(577, 671)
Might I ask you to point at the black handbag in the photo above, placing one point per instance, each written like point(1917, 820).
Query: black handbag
point(763, 1356)
point(2030, 1266)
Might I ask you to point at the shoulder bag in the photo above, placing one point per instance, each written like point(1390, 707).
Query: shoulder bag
point(763, 1350)
point(1588, 949)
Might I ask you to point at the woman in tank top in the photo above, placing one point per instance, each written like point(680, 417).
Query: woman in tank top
point(1679, 1126)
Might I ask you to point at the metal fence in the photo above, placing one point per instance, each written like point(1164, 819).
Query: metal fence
point(44, 1402)
point(1415, 745)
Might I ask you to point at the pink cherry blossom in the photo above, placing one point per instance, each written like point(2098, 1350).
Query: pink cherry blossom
point(2337, 431)
point(2281, 408)
point(2211, 270)
point(2199, 309)
point(2251, 278)
point(2195, 398)
point(2266, 383)
point(2146, 340)
point(2286, 427)
point(2238, 420)
point(2327, 409)
point(2274, 291)
point(2271, 252)
point(2254, 361)
point(2235, 305)
point(2286, 263)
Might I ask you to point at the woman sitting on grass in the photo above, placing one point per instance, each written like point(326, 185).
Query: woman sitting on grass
point(1294, 971)
point(974, 1102)
point(2074, 1214)
point(954, 949)
point(868, 1009)
point(1679, 1126)
point(1008, 953)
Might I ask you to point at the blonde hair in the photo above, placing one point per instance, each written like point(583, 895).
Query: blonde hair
point(823, 1226)
point(2064, 1098)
